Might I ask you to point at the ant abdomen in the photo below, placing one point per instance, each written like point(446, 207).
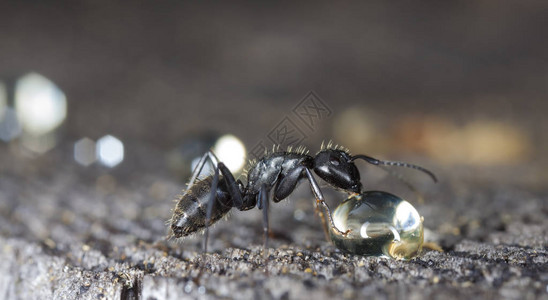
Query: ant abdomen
point(189, 215)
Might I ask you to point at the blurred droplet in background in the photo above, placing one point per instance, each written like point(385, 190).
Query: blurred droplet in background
point(110, 151)
point(480, 142)
point(181, 159)
point(231, 151)
point(40, 107)
point(361, 129)
point(228, 148)
point(84, 151)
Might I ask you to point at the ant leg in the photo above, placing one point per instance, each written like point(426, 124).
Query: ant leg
point(233, 190)
point(263, 204)
point(199, 167)
point(287, 184)
point(233, 187)
point(198, 170)
point(210, 202)
point(229, 180)
point(320, 201)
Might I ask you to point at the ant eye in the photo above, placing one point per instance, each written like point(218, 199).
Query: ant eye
point(334, 161)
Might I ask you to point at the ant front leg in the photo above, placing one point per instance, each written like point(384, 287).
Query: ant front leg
point(289, 182)
point(320, 202)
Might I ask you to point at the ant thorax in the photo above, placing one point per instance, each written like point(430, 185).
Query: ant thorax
point(271, 167)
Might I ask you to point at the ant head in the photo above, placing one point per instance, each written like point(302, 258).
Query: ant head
point(337, 168)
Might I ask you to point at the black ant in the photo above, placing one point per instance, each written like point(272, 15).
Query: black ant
point(276, 174)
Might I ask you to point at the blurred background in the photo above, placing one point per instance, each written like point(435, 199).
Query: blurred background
point(104, 107)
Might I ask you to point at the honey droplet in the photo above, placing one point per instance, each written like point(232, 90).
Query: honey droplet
point(380, 224)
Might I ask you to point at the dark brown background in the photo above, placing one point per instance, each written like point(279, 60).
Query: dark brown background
point(152, 72)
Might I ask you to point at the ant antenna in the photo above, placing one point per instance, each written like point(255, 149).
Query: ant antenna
point(410, 186)
point(378, 162)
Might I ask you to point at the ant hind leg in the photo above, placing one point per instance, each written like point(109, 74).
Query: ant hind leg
point(232, 185)
point(200, 166)
point(210, 202)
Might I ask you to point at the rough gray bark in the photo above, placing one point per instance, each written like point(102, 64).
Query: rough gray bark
point(66, 237)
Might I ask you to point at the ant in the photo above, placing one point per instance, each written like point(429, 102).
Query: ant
point(276, 174)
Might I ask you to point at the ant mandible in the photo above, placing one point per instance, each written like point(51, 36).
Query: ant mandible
point(207, 200)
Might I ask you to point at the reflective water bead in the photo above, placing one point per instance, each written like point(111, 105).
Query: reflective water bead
point(380, 224)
